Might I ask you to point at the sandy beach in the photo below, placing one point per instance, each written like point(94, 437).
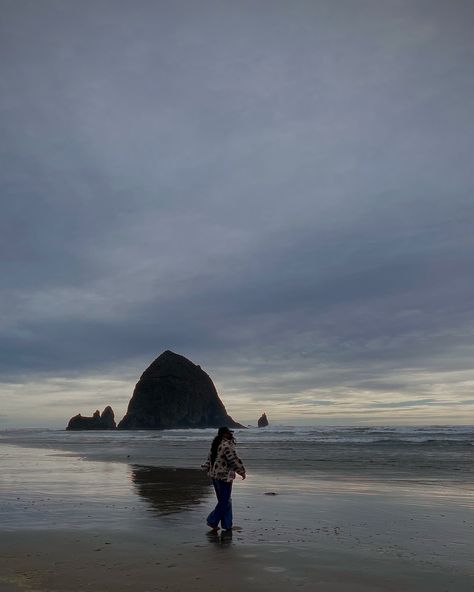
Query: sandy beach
point(72, 524)
point(111, 560)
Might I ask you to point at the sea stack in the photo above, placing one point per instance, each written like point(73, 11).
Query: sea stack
point(263, 421)
point(106, 421)
point(175, 393)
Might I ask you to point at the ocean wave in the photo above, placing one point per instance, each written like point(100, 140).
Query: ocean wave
point(272, 435)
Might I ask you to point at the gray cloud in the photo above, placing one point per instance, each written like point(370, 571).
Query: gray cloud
point(282, 193)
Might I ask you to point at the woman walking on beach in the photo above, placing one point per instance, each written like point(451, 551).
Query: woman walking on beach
point(222, 464)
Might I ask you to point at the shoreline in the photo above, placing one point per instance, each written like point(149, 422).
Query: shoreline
point(265, 452)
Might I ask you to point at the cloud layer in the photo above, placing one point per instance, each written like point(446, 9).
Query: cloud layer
point(282, 193)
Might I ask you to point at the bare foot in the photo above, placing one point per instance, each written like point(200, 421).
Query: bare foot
point(214, 528)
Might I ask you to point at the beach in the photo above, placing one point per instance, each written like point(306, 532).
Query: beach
point(126, 511)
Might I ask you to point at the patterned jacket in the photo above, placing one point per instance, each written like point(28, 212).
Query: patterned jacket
point(227, 463)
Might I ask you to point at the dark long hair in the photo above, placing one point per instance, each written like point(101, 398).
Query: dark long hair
point(215, 445)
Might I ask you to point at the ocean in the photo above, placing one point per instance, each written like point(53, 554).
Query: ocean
point(438, 453)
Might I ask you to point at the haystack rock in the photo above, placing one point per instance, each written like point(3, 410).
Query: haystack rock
point(263, 421)
point(106, 421)
point(175, 393)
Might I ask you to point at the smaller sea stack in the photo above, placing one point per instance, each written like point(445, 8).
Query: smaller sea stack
point(98, 421)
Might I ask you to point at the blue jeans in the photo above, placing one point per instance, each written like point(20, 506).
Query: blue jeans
point(223, 511)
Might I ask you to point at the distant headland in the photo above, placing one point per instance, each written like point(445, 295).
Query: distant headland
point(172, 392)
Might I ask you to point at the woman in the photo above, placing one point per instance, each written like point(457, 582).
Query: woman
point(221, 466)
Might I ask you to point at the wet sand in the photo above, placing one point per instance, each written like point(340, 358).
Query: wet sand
point(72, 524)
point(62, 560)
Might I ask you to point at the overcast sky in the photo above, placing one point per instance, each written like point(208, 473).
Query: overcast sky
point(281, 191)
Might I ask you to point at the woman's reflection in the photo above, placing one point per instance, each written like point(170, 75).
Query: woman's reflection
point(171, 490)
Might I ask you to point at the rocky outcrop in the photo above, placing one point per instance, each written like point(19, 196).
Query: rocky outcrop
point(263, 421)
point(175, 393)
point(106, 421)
